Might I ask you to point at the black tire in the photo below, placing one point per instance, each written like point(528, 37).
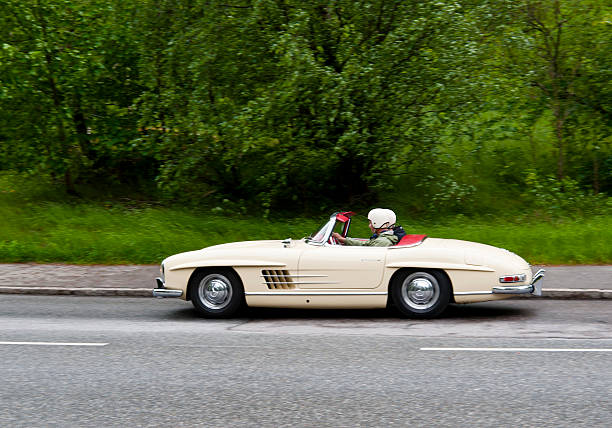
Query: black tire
point(216, 293)
point(421, 294)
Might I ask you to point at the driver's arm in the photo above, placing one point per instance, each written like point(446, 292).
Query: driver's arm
point(339, 237)
point(350, 241)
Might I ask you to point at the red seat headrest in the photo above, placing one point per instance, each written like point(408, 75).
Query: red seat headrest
point(411, 240)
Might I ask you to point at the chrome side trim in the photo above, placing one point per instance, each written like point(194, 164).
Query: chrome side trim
point(315, 293)
point(229, 262)
point(293, 276)
point(302, 282)
point(164, 292)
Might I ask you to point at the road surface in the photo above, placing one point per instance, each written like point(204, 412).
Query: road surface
point(91, 362)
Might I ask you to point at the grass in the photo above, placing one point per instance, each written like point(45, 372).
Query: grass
point(562, 241)
point(47, 227)
point(85, 233)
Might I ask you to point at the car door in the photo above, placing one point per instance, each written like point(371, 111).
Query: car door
point(338, 266)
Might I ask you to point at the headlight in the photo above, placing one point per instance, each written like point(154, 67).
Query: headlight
point(162, 271)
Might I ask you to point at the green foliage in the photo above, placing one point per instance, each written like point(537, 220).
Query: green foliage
point(268, 105)
point(556, 62)
point(66, 88)
point(308, 103)
point(564, 198)
point(41, 225)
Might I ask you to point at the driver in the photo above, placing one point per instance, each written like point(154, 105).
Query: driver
point(382, 225)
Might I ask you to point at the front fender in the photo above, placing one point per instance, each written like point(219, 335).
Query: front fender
point(227, 263)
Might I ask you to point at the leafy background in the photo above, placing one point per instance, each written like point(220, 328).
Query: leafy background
point(267, 108)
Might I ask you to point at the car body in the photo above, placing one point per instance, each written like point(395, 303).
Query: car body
point(419, 275)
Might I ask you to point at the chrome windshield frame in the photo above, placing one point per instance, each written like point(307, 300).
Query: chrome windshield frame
point(327, 230)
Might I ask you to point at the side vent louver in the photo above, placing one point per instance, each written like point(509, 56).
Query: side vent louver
point(277, 279)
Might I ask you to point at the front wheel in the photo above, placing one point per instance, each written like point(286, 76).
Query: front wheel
point(421, 294)
point(216, 294)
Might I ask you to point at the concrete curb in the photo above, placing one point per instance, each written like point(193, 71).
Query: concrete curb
point(576, 293)
point(79, 291)
point(550, 293)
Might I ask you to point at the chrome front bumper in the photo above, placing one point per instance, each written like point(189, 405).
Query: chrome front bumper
point(535, 287)
point(162, 291)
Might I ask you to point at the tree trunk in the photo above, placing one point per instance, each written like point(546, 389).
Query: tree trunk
point(80, 126)
point(69, 183)
point(57, 97)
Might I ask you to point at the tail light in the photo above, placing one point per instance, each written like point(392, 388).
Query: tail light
point(512, 278)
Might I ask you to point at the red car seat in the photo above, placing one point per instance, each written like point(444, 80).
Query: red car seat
point(411, 240)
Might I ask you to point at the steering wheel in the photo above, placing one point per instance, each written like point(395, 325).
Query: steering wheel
point(332, 240)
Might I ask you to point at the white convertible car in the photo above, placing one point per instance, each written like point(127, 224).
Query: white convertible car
point(419, 275)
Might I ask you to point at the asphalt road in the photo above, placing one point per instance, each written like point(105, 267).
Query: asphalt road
point(146, 362)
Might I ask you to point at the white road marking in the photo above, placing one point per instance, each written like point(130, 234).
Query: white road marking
point(54, 343)
point(521, 349)
point(222, 346)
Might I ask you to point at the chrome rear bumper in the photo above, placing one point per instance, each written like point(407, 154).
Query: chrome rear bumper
point(162, 291)
point(535, 287)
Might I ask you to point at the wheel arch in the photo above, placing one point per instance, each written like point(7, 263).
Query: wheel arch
point(190, 283)
point(417, 269)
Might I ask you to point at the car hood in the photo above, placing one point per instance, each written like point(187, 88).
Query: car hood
point(250, 249)
point(244, 244)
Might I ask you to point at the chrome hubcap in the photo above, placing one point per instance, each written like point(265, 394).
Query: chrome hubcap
point(420, 291)
point(215, 291)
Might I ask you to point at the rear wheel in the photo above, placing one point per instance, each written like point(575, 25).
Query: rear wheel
point(216, 294)
point(423, 294)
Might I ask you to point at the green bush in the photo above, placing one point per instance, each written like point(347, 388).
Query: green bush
point(43, 225)
point(565, 197)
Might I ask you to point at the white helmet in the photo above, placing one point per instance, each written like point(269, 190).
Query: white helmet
point(382, 218)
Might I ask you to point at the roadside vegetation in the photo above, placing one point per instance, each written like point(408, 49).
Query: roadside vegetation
point(133, 129)
point(43, 224)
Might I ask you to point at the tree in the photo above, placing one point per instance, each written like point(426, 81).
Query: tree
point(323, 101)
point(65, 81)
point(559, 49)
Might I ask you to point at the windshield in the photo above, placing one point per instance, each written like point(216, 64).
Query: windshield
point(334, 224)
point(322, 234)
point(319, 235)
